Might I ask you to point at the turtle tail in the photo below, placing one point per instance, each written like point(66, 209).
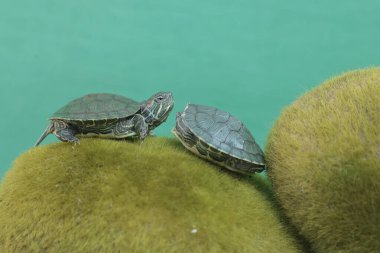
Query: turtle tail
point(48, 131)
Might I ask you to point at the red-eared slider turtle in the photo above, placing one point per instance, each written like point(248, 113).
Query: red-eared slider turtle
point(110, 116)
point(219, 137)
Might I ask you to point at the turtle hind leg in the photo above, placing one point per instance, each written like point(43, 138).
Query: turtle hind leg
point(65, 132)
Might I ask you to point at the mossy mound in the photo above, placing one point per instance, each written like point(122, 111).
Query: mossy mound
point(118, 196)
point(323, 158)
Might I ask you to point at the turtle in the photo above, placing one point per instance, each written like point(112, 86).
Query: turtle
point(219, 137)
point(109, 116)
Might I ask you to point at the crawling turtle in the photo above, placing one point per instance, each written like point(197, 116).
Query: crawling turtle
point(219, 137)
point(108, 115)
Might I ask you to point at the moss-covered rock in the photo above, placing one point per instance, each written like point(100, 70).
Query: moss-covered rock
point(117, 196)
point(324, 161)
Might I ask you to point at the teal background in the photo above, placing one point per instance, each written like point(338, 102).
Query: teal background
point(248, 57)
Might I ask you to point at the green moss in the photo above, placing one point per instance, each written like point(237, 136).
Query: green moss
point(323, 158)
point(117, 196)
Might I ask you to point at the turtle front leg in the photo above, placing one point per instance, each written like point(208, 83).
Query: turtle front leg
point(141, 127)
point(130, 127)
point(65, 132)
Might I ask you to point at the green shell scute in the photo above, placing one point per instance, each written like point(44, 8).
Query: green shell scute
point(222, 131)
point(98, 106)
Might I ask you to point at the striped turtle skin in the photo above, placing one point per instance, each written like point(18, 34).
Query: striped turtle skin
point(219, 137)
point(110, 116)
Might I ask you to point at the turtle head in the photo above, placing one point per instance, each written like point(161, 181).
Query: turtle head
point(156, 109)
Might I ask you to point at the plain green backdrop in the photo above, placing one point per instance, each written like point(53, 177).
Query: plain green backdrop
point(248, 57)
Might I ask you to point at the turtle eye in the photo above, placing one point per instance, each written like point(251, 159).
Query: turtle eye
point(159, 98)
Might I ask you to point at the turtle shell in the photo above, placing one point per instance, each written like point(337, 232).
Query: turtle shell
point(222, 131)
point(99, 106)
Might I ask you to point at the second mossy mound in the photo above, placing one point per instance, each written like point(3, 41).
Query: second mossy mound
point(323, 158)
point(117, 196)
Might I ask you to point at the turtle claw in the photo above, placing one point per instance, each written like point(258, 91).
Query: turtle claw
point(75, 143)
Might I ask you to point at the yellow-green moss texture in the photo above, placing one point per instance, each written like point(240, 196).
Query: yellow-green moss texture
point(116, 196)
point(324, 161)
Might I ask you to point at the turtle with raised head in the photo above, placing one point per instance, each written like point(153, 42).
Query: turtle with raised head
point(109, 116)
point(219, 137)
